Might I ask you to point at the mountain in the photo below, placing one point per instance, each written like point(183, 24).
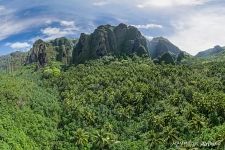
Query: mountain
point(3, 62)
point(13, 61)
point(159, 45)
point(64, 47)
point(107, 39)
point(43, 52)
point(162, 50)
point(111, 103)
point(211, 52)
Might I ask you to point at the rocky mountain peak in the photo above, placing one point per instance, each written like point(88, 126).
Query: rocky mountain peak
point(107, 39)
point(41, 53)
point(160, 45)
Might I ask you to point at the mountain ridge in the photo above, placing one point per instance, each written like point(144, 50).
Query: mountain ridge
point(105, 40)
point(211, 52)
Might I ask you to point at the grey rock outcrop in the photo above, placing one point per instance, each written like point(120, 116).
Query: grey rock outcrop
point(107, 39)
point(41, 53)
point(158, 46)
point(64, 48)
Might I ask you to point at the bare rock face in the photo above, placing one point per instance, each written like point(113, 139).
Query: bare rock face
point(158, 46)
point(106, 40)
point(41, 53)
point(64, 48)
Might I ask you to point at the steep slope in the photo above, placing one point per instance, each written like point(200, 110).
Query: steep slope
point(64, 48)
point(211, 52)
point(160, 45)
point(107, 39)
point(43, 52)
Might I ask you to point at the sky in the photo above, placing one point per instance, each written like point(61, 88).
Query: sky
point(192, 25)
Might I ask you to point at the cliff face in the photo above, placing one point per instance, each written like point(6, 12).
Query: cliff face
point(59, 49)
point(159, 46)
point(41, 53)
point(119, 40)
point(105, 40)
point(64, 49)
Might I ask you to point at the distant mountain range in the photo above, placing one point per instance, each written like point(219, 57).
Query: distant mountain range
point(12, 61)
point(211, 52)
point(105, 40)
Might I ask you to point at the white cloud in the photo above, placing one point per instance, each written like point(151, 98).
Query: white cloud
point(11, 25)
point(4, 11)
point(148, 26)
point(200, 30)
point(2, 8)
point(66, 28)
point(100, 3)
point(170, 3)
point(52, 31)
point(19, 45)
point(149, 37)
point(48, 22)
point(67, 23)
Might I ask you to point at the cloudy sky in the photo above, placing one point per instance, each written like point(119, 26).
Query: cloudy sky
point(192, 25)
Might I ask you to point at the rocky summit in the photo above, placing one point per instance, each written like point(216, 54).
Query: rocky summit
point(107, 39)
point(64, 48)
point(158, 46)
point(59, 49)
point(41, 53)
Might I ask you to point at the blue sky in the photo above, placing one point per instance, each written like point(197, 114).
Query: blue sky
point(192, 25)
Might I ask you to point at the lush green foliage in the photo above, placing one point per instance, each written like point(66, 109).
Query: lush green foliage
point(29, 114)
point(142, 105)
point(114, 103)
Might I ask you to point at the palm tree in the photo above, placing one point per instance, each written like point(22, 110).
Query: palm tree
point(189, 112)
point(170, 135)
point(197, 123)
point(153, 140)
point(221, 142)
point(81, 138)
point(89, 116)
point(108, 127)
point(103, 140)
point(158, 123)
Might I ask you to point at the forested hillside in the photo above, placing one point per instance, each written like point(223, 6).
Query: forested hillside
point(30, 113)
point(114, 103)
point(108, 91)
